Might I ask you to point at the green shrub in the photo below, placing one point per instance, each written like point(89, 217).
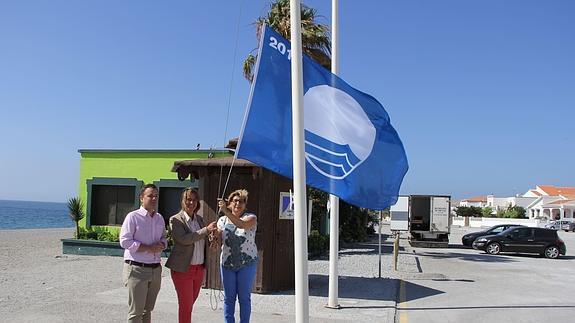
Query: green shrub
point(81, 234)
point(514, 212)
point(473, 211)
point(486, 211)
point(91, 235)
point(100, 234)
point(105, 235)
point(354, 223)
point(169, 238)
point(317, 244)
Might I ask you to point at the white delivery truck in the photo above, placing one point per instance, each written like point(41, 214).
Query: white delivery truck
point(426, 217)
point(399, 214)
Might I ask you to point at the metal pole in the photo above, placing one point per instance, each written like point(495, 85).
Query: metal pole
point(379, 234)
point(333, 252)
point(395, 250)
point(334, 200)
point(300, 219)
point(309, 215)
point(334, 37)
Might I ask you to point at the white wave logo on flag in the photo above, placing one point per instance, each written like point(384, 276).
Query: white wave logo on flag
point(351, 149)
point(338, 134)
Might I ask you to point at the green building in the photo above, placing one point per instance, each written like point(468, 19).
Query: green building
point(110, 182)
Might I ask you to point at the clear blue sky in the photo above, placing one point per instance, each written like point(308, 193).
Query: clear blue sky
point(482, 93)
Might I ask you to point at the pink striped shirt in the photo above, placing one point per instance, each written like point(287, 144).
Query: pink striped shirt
point(140, 227)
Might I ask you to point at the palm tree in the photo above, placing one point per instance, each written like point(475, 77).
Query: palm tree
point(316, 41)
point(76, 209)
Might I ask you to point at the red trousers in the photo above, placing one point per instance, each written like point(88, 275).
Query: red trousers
point(188, 286)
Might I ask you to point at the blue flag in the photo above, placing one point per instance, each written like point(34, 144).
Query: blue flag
point(351, 149)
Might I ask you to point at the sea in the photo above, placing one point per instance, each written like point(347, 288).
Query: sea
point(33, 215)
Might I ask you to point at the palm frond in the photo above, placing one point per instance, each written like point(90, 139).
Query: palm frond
point(249, 67)
point(316, 40)
point(76, 209)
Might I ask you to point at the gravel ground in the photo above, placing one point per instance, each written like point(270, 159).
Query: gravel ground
point(40, 284)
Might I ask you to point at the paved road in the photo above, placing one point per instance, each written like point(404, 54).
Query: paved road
point(465, 285)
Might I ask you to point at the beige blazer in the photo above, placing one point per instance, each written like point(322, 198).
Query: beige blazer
point(184, 238)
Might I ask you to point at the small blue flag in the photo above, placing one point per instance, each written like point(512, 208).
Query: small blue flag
point(351, 149)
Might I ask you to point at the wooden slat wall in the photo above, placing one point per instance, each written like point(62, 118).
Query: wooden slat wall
point(283, 243)
point(274, 237)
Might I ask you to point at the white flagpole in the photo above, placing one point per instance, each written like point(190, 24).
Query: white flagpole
point(334, 200)
point(300, 219)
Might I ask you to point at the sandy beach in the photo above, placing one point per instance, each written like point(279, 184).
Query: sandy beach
point(40, 284)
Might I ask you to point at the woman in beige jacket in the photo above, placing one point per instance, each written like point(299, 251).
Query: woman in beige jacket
point(186, 260)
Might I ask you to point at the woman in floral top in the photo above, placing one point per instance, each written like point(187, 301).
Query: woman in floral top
point(239, 255)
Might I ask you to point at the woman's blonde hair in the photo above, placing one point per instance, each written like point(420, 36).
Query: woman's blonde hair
point(185, 194)
point(242, 194)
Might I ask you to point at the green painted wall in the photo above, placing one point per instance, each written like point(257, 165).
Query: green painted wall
point(144, 165)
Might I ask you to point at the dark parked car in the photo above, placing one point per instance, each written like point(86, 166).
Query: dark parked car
point(467, 240)
point(524, 240)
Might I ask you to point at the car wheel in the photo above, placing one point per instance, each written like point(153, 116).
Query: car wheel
point(552, 252)
point(493, 248)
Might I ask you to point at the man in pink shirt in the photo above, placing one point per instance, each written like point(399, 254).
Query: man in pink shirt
point(143, 236)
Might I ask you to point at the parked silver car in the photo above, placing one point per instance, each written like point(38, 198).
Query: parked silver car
point(561, 225)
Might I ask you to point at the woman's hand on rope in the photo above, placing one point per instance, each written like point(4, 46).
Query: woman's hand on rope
point(212, 227)
point(223, 207)
point(214, 239)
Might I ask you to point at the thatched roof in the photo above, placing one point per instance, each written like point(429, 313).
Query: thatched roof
point(185, 168)
point(233, 143)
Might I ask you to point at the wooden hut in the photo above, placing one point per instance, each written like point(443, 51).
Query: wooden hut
point(274, 235)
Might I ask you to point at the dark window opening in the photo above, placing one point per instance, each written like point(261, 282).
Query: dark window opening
point(169, 202)
point(420, 213)
point(111, 204)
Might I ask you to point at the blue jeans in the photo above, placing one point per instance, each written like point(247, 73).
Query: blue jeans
point(238, 283)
